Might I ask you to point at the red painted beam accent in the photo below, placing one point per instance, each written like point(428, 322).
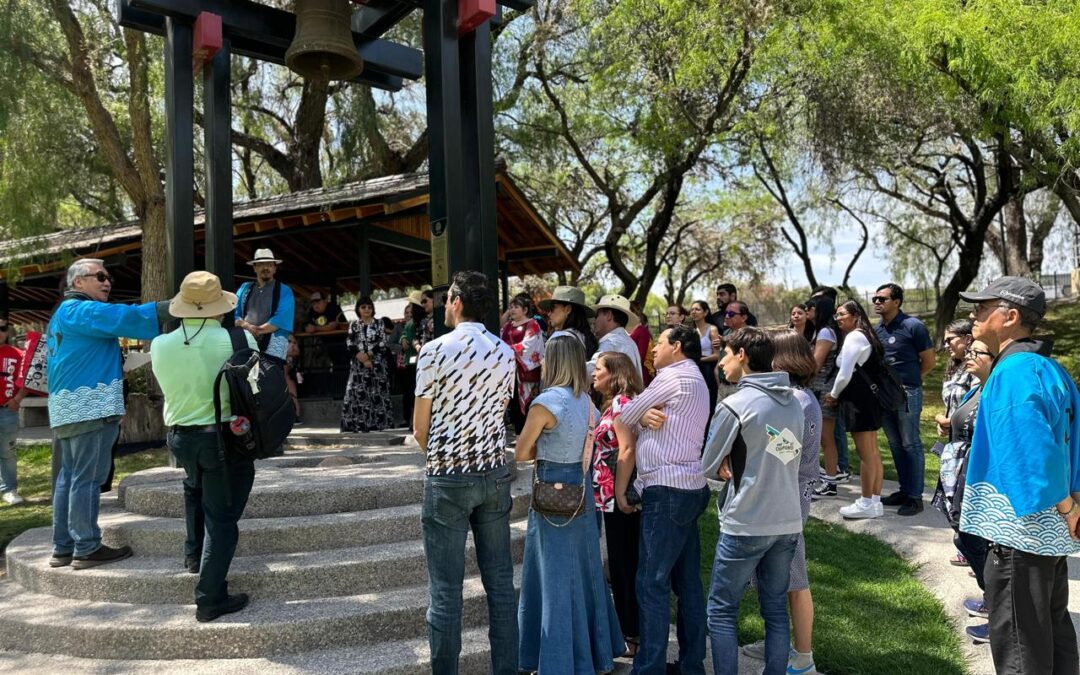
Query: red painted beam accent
point(473, 13)
point(206, 38)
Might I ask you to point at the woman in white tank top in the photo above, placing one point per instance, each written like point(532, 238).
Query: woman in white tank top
point(699, 311)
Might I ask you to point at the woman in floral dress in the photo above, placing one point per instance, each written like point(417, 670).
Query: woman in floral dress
point(367, 396)
point(617, 380)
point(523, 334)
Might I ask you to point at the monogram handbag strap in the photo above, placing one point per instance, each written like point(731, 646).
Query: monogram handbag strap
point(590, 437)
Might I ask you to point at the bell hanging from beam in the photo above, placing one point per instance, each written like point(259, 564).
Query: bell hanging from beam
point(322, 48)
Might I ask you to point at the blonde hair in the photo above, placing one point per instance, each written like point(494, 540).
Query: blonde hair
point(625, 379)
point(564, 365)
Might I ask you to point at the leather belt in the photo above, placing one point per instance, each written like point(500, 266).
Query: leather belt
point(198, 429)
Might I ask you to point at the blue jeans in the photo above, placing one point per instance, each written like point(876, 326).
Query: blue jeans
point(736, 558)
point(216, 489)
point(9, 431)
point(840, 436)
point(902, 430)
point(670, 559)
point(452, 506)
point(84, 466)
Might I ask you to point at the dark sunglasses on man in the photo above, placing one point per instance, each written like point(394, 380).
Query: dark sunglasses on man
point(729, 314)
point(102, 277)
point(879, 299)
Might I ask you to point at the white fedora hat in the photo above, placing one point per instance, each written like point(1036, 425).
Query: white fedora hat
point(618, 302)
point(264, 255)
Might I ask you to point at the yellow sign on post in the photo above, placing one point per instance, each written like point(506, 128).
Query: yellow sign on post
point(440, 266)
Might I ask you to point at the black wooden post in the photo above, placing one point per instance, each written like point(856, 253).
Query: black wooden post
point(365, 260)
point(479, 228)
point(217, 114)
point(179, 153)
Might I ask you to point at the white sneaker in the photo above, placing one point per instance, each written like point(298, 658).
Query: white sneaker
point(879, 510)
point(855, 511)
point(13, 498)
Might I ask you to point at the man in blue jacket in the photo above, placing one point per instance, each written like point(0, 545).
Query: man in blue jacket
point(1023, 484)
point(86, 402)
point(266, 307)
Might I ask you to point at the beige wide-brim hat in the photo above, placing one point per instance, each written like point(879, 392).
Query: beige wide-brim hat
point(569, 295)
point(623, 305)
point(201, 297)
point(416, 298)
point(264, 255)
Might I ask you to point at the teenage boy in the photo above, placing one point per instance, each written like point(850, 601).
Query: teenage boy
point(754, 443)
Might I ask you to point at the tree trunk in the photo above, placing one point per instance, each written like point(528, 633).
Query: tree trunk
point(967, 269)
point(155, 284)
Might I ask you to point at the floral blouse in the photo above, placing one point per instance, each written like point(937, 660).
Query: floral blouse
point(528, 344)
point(606, 455)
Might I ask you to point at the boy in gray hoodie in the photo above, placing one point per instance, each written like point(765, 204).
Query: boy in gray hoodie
point(754, 442)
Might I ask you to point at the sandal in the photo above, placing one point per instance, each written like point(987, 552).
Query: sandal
point(632, 645)
point(959, 560)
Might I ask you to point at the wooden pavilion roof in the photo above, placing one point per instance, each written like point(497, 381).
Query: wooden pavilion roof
point(317, 234)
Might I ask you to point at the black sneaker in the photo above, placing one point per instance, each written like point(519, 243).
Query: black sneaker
point(58, 560)
point(233, 603)
point(102, 556)
point(910, 507)
point(895, 499)
point(192, 563)
point(824, 489)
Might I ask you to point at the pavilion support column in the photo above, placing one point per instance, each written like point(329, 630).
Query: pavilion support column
point(447, 206)
point(365, 261)
point(179, 153)
point(479, 228)
point(217, 113)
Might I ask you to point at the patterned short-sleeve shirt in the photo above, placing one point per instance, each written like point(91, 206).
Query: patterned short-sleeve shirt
point(468, 374)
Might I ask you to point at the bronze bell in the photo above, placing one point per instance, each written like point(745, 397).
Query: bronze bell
point(322, 48)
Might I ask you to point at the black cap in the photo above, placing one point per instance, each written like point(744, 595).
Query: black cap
point(1017, 290)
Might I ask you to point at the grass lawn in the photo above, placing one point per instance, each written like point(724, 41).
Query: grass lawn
point(34, 466)
point(872, 615)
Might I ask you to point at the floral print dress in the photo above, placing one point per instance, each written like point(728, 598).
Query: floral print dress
point(606, 455)
point(367, 404)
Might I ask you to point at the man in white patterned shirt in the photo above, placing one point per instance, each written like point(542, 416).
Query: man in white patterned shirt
point(464, 381)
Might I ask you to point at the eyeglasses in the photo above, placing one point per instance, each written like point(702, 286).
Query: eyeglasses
point(983, 309)
point(879, 299)
point(947, 342)
point(840, 315)
point(976, 353)
point(730, 314)
point(102, 277)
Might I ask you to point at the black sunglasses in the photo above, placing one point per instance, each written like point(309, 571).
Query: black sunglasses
point(101, 276)
point(730, 313)
point(879, 299)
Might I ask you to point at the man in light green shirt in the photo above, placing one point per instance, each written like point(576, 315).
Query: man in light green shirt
point(186, 362)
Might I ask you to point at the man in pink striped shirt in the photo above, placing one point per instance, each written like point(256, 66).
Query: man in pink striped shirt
point(674, 494)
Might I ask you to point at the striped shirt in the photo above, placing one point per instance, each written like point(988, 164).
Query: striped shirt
point(671, 455)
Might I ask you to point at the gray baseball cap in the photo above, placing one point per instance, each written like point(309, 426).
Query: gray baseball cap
point(1017, 290)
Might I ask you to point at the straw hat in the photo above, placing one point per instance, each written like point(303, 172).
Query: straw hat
point(416, 298)
point(621, 304)
point(569, 295)
point(264, 255)
point(201, 297)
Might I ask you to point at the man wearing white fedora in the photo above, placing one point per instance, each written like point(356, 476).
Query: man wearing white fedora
point(265, 307)
point(216, 486)
point(614, 318)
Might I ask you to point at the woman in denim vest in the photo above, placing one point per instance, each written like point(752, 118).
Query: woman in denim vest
point(566, 618)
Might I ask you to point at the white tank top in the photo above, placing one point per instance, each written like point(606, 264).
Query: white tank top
point(706, 343)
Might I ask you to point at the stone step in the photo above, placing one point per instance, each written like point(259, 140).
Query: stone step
point(283, 576)
point(33, 622)
point(154, 535)
point(398, 657)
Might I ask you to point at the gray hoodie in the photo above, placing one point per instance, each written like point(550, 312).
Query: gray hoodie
point(761, 427)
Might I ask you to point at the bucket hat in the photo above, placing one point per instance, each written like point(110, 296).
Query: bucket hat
point(201, 297)
point(569, 295)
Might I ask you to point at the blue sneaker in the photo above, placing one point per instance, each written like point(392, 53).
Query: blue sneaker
point(980, 635)
point(976, 608)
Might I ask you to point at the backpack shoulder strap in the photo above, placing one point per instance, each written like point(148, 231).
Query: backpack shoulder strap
point(738, 452)
point(275, 300)
point(238, 338)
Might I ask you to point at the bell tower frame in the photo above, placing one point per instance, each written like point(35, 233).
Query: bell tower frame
point(456, 64)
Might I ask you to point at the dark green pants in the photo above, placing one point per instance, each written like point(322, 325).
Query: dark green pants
point(215, 491)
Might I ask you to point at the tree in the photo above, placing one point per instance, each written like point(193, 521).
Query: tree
point(1026, 224)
